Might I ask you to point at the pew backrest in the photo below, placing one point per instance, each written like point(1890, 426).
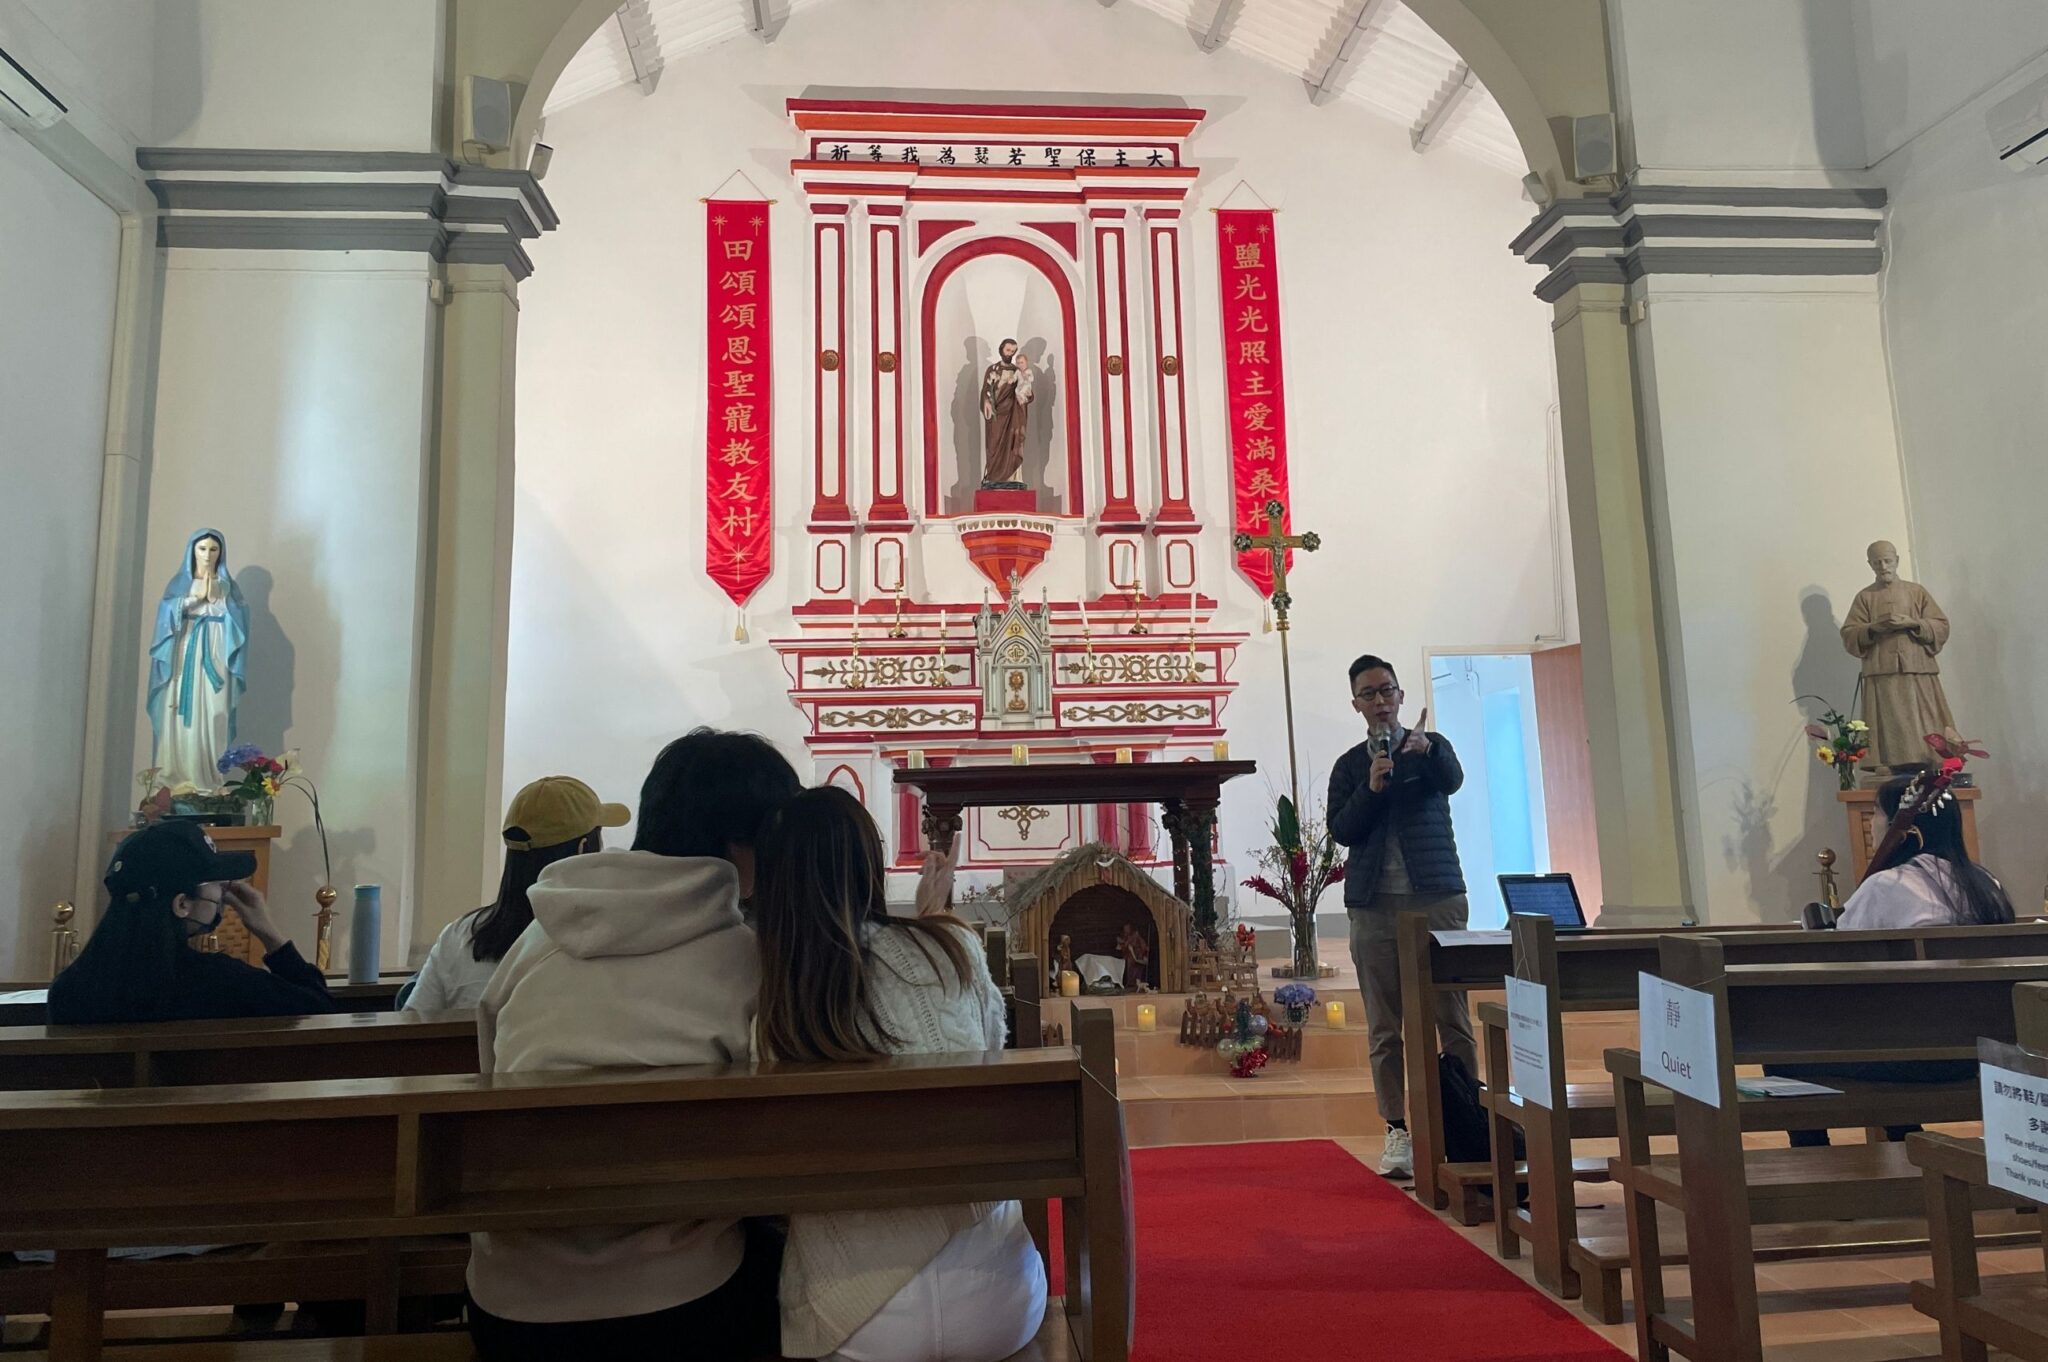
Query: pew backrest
point(237, 1050)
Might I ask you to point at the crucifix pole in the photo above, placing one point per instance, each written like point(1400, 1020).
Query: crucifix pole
point(1277, 542)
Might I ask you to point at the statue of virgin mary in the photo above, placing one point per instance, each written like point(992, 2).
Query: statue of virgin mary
point(196, 664)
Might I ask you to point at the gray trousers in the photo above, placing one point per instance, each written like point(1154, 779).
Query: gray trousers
point(1374, 931)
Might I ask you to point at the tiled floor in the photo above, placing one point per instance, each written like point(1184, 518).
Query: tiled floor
point(1837, 1310)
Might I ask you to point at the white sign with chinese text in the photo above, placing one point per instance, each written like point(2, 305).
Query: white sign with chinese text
point(1529, 1041)
point(1676, 1038)
point(2015, 1120)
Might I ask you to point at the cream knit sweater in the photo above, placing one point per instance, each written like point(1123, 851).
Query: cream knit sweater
point(843, 1267)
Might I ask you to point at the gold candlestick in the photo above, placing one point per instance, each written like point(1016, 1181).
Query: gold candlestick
point(323, 927)
point(897, 630)
point(63, 938)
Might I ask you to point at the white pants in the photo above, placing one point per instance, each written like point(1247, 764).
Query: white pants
point(980, 1300)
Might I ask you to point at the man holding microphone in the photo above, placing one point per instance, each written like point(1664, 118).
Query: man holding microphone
point(1390, 802)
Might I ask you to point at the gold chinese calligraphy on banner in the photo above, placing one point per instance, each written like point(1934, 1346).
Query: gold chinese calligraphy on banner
point(738, 467)
point(1255, 389)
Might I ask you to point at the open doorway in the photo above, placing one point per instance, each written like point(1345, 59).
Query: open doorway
point(1518, 721)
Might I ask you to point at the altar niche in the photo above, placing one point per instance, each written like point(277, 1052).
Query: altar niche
point(1004, 557)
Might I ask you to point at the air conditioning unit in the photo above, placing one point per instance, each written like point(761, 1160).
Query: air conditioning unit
point(23, 98)
point(2019, 127)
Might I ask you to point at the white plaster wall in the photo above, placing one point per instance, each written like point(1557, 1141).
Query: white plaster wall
point(1419, 376)
point(291, 409)
point(57, 297)
point(1966, 326)
point(305, 75)
point(1919, 64)
point(1773, 463)
point(1740, 85)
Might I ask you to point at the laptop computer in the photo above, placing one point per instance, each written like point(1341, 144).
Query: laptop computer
point(1551, 896)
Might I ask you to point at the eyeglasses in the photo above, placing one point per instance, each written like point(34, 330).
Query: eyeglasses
point(1378, 693)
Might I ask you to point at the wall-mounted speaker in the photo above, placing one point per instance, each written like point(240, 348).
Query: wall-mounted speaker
point(487, 112)
point(1593, 147)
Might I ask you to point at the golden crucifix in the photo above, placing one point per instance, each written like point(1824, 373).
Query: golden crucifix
point(1276, 542)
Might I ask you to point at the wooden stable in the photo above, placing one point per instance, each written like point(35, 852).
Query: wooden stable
point(1093, 868)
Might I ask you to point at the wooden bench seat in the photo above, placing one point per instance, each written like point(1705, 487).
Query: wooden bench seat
point(1598, 972)
point(390, 1160)
point(1844, 1012)
point(327, 1270)
point(2009, 1314)
point(445, 1345)
point(236, 1050)
point(1600, 1254)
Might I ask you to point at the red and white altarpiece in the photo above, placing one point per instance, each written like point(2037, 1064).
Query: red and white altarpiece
point(1063, 613)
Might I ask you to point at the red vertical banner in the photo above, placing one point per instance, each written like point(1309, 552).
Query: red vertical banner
point(1255, 390)
point(738, 448)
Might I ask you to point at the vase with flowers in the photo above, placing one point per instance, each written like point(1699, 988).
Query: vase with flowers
point(1842, 741)
point(1302, 862)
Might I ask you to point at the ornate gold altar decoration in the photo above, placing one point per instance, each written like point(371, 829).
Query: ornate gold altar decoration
point(1023, 815)
point(858, 672)
point(1148, 669)
point(896, 716)
point(1136, 712)
point(63, 938)
point(1276, 543)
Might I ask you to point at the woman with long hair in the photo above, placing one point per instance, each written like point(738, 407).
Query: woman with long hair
point(166, 885)
point(844, 980)
point(1923, 875)
point(1920, 876)
point(552, 819)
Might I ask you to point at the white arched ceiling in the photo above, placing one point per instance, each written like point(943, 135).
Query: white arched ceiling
point(1377, 54)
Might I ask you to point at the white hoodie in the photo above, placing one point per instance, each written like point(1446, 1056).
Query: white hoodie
point(633, 959)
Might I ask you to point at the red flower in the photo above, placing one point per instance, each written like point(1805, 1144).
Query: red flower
point(1297, 866)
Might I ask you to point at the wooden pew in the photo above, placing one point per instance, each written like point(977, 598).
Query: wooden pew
point(2010, 1312)
point(390, 1159)
point(237, 1050)
point(1816, 1014)
point(28, 1004)
point(1599, 971)
point(1565, 1262)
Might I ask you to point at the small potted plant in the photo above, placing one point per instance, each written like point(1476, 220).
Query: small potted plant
point(1296, 998)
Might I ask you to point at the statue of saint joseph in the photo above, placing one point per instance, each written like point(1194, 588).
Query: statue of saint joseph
point(1896, 628)
point(1005, 408)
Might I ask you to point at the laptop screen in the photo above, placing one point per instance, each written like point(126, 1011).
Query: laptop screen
point(1551, 896)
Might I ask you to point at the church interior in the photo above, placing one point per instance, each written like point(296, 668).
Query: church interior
point(791, 505)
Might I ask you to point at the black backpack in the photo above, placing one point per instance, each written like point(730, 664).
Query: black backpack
point(1465, 1126)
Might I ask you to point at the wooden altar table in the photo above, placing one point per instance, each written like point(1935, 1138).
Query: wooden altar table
point(1187, 793)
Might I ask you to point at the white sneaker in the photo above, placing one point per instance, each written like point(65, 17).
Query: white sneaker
point(1398, 1159)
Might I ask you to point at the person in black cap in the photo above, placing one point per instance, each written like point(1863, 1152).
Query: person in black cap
point(167, 884)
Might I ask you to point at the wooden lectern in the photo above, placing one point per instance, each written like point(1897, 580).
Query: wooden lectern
point(1862, 809)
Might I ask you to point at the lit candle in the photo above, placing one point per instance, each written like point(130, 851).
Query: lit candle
point(1221, 749)
point(1020, 755)
point(917, 762)
point(1087, 628)
point(1123, 756)
point(1333, 1013)
point(1070, 984)
point(1148, 1017)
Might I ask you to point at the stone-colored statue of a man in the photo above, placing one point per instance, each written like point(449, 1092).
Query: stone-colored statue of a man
point(1896, 628)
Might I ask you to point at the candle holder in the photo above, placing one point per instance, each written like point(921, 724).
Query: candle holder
point(323, 927)
point(897, 630)
point(1020, 755)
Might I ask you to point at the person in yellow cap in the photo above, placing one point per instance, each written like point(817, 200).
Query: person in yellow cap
point(552, 819)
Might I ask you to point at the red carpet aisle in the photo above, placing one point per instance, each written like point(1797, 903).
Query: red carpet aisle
point(1297, 1252)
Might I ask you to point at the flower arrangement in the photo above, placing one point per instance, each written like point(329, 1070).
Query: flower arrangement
point(261, 777)
point(1843, 741)
point(1302, 862)
point(1296, 998)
